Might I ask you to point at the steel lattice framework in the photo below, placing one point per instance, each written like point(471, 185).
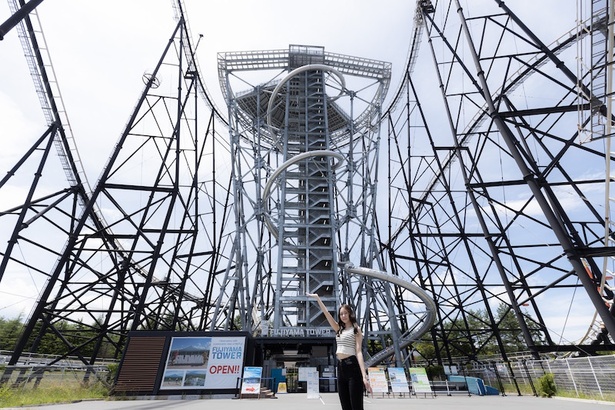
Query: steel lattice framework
point(480, 196)
point(501, 213)
point(305, 167)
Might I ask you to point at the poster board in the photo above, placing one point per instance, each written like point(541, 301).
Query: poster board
point(420, 382)
point(378, 380)
point(313, 388)
point(302, 373)
point(251, 381)
point(203, 362)
point(398, 380)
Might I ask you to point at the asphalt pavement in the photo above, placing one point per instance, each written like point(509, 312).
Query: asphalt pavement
point(326, 401)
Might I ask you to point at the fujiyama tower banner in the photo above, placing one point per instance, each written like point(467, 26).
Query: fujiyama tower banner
point(204, 362)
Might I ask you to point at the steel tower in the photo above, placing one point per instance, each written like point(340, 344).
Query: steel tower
point(486, 182)
point(305, 149)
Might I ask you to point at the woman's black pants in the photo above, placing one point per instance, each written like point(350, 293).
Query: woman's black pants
point(350, 383)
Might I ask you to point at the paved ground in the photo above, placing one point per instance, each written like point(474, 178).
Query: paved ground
point(299, 401)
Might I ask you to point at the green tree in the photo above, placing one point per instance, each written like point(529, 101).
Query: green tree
point(426, 350)
point(237, 323)
point(49, 342)
point(468, 334)
point(9, 332)
point(471, 333)
point(510, 330)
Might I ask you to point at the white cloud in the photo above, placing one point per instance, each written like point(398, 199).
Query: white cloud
point(100, 51)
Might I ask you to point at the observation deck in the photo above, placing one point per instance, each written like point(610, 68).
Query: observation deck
point(254, 101)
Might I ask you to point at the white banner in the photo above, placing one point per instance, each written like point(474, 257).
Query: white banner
point(420, 382)
point(378, 380)
point(204, 362)
point(313, 385)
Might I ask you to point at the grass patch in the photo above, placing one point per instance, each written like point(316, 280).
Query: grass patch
point(587, 396)
point(523, 389)
point(526, 390)
point(51, 393)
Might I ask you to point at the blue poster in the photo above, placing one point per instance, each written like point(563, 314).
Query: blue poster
point(398, 380)
point(251, 382)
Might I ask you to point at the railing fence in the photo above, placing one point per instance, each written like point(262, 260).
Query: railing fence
point(585, 377)
point(591, 376)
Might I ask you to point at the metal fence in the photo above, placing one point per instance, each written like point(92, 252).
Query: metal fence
point(585, 377)
point(26, 377)
point(33, 369)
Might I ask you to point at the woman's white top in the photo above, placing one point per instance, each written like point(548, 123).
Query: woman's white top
point(346, 342)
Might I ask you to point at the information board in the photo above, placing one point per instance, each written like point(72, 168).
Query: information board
point(420, 382)
point(378, 380)
point(313, 390)
point(203, 362)
point(398, 380)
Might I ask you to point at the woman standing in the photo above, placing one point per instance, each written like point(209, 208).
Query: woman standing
point(351, 374)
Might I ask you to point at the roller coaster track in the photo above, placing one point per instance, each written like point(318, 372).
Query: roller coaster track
point(366, 277)
point(37, 55)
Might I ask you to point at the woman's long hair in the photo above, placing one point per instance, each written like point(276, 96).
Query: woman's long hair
point(351, 315)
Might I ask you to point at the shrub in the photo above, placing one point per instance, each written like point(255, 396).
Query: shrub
point(546, 385)
point(113, 368)
point(435, 372)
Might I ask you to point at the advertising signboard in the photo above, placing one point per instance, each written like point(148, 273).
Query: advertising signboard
point(204, 362)
point(378, 380)
point(251, 383)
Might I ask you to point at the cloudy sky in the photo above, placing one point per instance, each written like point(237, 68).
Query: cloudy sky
point(100, 50)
